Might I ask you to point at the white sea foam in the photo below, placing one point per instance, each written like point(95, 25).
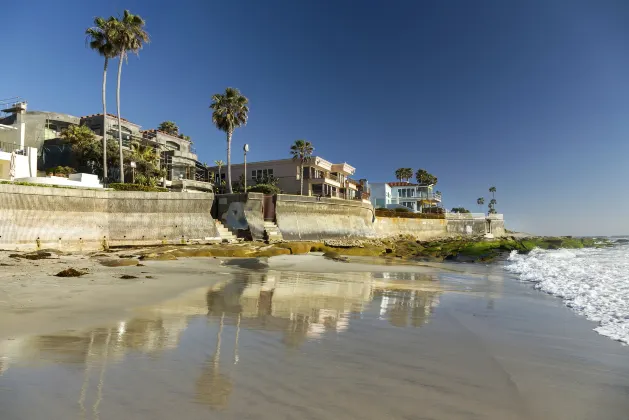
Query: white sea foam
point(593, 282)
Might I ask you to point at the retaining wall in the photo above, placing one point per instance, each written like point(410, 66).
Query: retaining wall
point(241, 211)
point(74, 219)
point(314, 219)
point(422, 229)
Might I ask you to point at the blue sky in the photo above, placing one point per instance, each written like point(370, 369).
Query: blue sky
point(530, 96)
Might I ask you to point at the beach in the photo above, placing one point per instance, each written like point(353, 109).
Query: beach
point(297, 336)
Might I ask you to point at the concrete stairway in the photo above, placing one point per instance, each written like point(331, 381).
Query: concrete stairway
point(224, 233)
point(272, 232)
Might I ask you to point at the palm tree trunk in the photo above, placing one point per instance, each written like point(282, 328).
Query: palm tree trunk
point(301, 179)
point(119, 123)
point(104, 129)
point(220, 179)
point(229, 162)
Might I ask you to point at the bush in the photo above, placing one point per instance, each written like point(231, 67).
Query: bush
point(408, 214)
point(401, 210)
point(61, 170)
point(264, 189)
point(136, 187)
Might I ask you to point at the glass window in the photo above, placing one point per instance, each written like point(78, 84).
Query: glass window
point(402, 192)
point(270, 172)
point(253, 174)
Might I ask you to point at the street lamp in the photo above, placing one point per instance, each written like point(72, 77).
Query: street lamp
point(132, 164)
point(245, 149)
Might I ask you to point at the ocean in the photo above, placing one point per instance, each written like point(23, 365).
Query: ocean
point(593, 282)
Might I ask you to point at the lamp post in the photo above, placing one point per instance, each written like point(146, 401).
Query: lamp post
point(245, 149)
point(132, 164)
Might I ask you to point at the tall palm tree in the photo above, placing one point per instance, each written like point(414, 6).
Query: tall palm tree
point(220, 165)
point(302, 152)
point(398, 174)
point(130, 37)
point(492, 190)
point(407, 173)
point(480, 201)
point(229, 111)
point(100, 38)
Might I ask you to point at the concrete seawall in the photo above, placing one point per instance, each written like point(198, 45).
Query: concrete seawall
point(302, 218)
point(422, 229)
point(74, 219)
point(241, 211)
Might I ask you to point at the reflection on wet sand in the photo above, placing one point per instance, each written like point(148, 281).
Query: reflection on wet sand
point(301, 306)
point(306, 306)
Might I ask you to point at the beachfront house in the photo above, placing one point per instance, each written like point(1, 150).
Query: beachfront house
point(321, 177)
point(415, 197)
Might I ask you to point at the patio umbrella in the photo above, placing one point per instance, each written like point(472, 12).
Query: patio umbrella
point(12, 166)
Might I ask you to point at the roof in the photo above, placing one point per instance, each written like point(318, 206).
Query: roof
point(154, 131)
point(402, 184)
point(110, 115)
point(406, 184)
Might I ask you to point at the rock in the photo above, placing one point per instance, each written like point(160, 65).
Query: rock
point(128, 277)
point(343, 243)
point(38, 255)
point(71, 272)
point(119, 263)
point(335, 256)
point(167, 256)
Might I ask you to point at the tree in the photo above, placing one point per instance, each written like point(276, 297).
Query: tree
point(425, 178)
point(100, 37)
point(492, 190)
point(301, 151)
point(220, 165)
point(407, 173)
point(398, 174)
point(147, 169)
point(229, 111)
point(480, 201)
point(403, 173)
point(169, 127)
point(130, 36)
point(87, 150)
point(184, 137)
point(459, 210)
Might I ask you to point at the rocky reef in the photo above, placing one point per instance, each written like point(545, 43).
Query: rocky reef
point(406, 248)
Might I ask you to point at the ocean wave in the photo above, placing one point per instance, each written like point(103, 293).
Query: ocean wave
point(593, 282)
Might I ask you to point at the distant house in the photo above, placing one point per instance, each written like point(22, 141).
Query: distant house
point(415, 197)
point(321, 177)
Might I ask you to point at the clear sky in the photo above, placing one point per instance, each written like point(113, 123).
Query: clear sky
point(531, 96)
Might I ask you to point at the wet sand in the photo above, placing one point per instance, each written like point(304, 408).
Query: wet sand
point(302, 337)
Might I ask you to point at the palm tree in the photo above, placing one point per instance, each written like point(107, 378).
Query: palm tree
point(302, 152)
point(220, 165)
point(407, 173)
point(492, 190)
point(398, 174)
point(480, 201)
point(169, 127)
point(229, 111)
point(100, 37)
point(130, 36)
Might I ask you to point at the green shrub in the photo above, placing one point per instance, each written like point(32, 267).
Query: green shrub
point(136, 187)
point(401, 210)
point(408, 214)
point(264, 189)
point(61, 170)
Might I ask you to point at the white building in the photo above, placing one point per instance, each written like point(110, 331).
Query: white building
point(415, 197)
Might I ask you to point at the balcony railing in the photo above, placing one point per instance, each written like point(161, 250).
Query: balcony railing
point(8, 147)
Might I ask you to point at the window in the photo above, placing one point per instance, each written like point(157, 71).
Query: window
point(261, 173)
point(402, 192)
point(408, 204)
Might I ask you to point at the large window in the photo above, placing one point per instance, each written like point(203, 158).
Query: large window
point(408, 204)
point(261, 173)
